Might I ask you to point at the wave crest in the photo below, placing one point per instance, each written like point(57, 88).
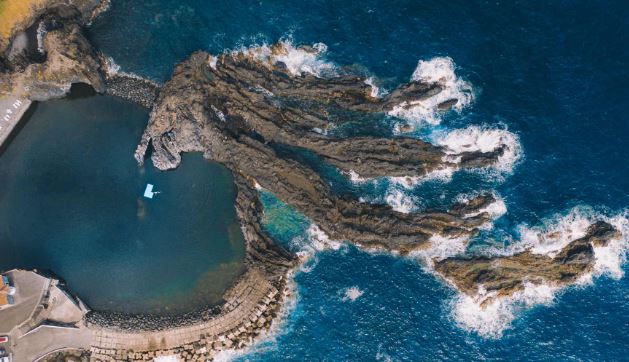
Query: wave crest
point(439, 70)
point(482, 139)
point(490, 315)
point(298, 60)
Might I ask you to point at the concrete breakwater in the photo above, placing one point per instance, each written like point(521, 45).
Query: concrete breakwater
point(250, 307)
point(134, 89)
point(48, 313)
point(128, 86)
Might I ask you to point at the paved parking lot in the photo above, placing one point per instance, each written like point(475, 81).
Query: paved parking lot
point(11, 111)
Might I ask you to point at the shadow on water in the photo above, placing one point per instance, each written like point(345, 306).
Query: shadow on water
point(77, 91)
point(18, 128)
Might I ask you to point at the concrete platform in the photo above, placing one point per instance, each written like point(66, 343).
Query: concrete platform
point(30, 289)
point(46, 339)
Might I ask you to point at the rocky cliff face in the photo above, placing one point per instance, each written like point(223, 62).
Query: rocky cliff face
point(237, 107)
point(489, 278)
point(16, 16)
point(48, 52)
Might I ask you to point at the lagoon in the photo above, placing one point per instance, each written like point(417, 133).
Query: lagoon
point(71, 202)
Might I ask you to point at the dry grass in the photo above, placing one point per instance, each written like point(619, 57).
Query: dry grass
point(13, 12)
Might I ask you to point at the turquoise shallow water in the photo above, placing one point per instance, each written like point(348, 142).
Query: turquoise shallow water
point(552, 73)
point(71, 202)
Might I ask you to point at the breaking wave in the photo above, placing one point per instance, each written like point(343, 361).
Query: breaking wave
point(400, 201)
point(495, 210)
point(470, 139)
point(442, 247)
point(436, 70)
point(298, 60)
point(482, 139)
point(491, 319)
point(267, 340)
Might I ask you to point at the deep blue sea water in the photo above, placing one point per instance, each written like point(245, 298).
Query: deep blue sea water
point(555, 74)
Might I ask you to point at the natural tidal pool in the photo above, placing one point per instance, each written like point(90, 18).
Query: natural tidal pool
point(71, 202)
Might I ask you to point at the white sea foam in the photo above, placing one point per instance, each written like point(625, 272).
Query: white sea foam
point(400, 201)
point(470, 139)
point(355, 177)
point(437, 70)
point(495, 315)
point(112, 69)
point(491, 319)
point(440, 247)
point(381, 356)
point(267, 340)
point(482, 139)
point(495, 210)
point(376, 92)
point(352, 293)
point(211, 61)
point(41, 33)
point(308, 245)
point(443, 174)
point(298, 60)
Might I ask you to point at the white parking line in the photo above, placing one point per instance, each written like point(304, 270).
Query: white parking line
point(15, 108)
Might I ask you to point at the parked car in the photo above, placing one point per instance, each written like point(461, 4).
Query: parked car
point(4, 339)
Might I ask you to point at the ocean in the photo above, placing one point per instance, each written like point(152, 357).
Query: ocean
point(546, 78)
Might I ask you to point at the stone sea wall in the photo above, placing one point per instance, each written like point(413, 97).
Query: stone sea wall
point(250, 308)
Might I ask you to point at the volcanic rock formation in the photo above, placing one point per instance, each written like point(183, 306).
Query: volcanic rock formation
point(236, 108)
point(493, 277)
point(44, 57)
point(48, 52)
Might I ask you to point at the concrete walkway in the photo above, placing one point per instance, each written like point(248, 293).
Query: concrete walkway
point(30, 289)
point(11, 111)
point(45, 339)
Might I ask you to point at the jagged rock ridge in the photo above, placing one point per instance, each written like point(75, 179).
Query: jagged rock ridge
point(235, 107)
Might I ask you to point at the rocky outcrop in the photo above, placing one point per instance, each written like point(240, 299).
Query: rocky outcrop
point(493, 277)
point(51, 53)
point(237, 108)
point(16, 16)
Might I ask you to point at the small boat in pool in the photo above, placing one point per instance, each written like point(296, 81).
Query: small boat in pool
point(149, 193)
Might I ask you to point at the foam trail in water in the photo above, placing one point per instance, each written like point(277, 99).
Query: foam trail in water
point(440, 247)
point(112, 69)
point(491, 318)
point(437, 70)
point(470, 139)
